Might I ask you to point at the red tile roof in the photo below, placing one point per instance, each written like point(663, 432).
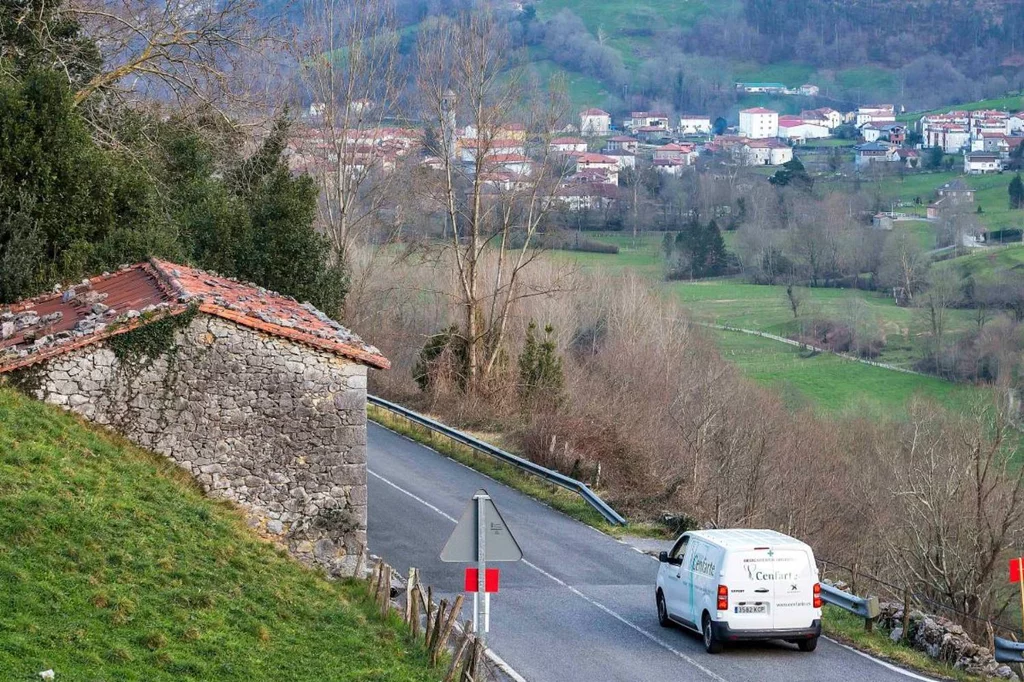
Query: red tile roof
point(595, 158)
point(757, 110)
point(594, 112)
point(114, 303)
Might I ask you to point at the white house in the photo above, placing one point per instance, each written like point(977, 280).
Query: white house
point(976, 163)
point(808, 90)
point(595, 122)
point(875, 112)
point(765, 152)
point(830, 118)
point(623, 142)
point(646, 119)
point(694, 124)
point(759, 123)
point(799, 130)
point(669, 166)
point(599, 162)
point(874, 152)
point(469, 146)
point(1016, 122)
point(626, 159)
point(952, 137)
point(568, 145)
point(684, 153)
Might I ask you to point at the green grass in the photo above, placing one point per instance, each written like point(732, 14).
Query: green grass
point(986, 265)
point(788, 73)
point(925, 233)
point(613, 16)
point(829, 383)
point(848, 628)
point(583, 91)
point(867, 78)
point(113, 566)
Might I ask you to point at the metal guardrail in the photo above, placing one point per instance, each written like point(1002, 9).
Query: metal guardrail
point(865, 607)
point(549, 475)
point(1008, 651)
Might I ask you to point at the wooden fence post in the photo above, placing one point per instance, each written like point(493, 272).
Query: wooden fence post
point(385, 602)
point(906, 615)
point(460, 651)
point(445, 626)
point(409, 584)
point(414, 612)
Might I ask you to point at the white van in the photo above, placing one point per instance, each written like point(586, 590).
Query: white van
point(737, 584)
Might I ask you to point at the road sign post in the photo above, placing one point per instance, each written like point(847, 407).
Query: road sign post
point(481, 536)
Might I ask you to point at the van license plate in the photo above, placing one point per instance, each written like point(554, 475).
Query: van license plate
point(759, 608)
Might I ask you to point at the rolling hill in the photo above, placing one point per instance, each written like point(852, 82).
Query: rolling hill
point(114, 566)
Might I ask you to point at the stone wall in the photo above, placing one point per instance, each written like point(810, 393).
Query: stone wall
point(278, 427)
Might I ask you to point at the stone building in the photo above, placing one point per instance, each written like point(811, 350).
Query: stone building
point(261, 398)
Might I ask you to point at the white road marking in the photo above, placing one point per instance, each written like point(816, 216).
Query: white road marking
point(886, 664)
point(628, 623)
point(572, 589)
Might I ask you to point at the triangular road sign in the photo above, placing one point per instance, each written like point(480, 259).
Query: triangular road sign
point(499, 544)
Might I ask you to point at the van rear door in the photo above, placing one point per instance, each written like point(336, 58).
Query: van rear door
point(751, 596)
point(794, 578)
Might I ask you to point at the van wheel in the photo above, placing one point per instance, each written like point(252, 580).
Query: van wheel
point(663, 619)
point(808, 644)
point(711, 643)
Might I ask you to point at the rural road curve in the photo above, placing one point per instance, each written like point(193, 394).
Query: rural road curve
point(580, 606)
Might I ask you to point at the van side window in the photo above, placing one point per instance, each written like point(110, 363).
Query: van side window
point(680, 548)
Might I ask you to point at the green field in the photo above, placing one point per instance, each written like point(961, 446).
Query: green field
point(831, 383)
point(824, 380)
point(991, 193)
point(114, 566)
point(986, 265)
point(790, 74)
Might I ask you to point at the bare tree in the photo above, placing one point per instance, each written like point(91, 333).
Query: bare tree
point(962, 502)
point(192, 52)
point(494, 208)
point(349, 66)
point(904, 266)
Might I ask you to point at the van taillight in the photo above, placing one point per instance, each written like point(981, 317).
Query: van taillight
point(723, 598)
point(817, 595)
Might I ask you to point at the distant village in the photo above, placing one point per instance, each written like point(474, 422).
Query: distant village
point(599, 155)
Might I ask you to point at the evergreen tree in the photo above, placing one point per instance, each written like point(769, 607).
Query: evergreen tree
point(1016, 190)
point(792, 174)
point(540, 369)
point(666, 245)
point(67, 207)
point(935, 157)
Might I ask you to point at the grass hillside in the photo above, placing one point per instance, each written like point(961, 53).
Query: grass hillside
point(113, 566)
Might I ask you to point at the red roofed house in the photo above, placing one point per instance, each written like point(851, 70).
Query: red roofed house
point(798, 130)
point(607, 166)
point(676, 152)
point(566, 145)
point(594, 122)
point(623, 142)
point(765, 153)
point(261, 398)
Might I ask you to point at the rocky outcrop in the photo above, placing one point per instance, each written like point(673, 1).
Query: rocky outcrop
point(943, 640)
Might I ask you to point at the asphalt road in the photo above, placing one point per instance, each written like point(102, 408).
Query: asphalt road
point(580, 605)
